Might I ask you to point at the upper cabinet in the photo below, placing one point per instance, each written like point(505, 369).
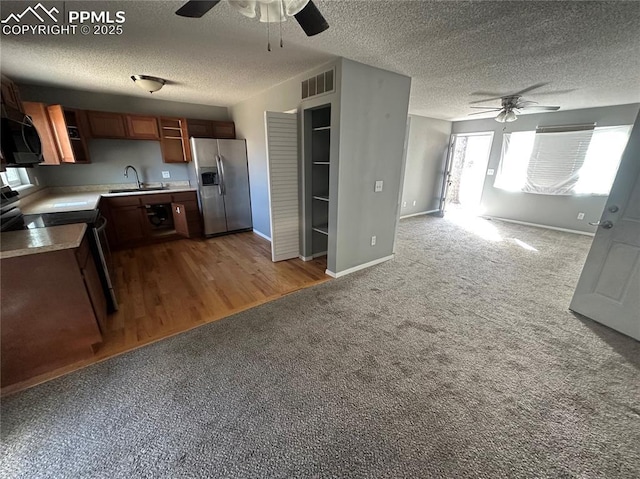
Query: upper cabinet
point(174, 140)
point(10, 95)
point(211, 129)
point(142, 127)
point(70, 129)
point(104, 124)
point(40, 118)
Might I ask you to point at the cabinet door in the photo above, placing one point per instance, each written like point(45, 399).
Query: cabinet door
point(142, 127)
point(106, 125)
point(224, 129)
point(128, 224)
point(10, 94)
point(200, 128)
point(40, 119)
point(180, 220)
point(59, 127)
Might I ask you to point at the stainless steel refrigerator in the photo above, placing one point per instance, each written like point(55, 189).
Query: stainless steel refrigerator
point(219, 168)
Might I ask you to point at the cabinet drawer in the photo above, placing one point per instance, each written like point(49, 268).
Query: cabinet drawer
point(155, 199)
point(117, 201)
point(184, 196)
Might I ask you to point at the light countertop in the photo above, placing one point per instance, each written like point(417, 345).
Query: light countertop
point(55, 200)
point(41, 240)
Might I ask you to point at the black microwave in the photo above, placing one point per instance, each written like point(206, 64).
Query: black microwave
point(21, 144)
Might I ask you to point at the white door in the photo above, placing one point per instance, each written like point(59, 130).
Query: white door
point(282, 164)
point(609, 288)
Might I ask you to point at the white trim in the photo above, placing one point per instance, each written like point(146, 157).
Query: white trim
point(359, 267)
point(305, 258)
point(313, 256)
point(586, 233)
point(262, 235)
point(418, 214)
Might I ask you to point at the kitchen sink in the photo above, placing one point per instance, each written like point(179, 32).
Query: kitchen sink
point(138, 190)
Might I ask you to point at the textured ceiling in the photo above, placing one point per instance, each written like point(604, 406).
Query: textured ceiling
point(588, 53)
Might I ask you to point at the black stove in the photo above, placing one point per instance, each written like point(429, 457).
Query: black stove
point(44, 220)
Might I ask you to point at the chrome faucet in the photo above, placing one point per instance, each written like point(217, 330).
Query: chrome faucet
point(126, 174)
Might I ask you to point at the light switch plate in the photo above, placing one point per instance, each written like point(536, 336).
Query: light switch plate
point(378, 187)
point(166, 174)
point(490, 172)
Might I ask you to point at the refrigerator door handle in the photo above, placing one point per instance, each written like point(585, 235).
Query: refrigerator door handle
point(220, 181)
point(221, 170)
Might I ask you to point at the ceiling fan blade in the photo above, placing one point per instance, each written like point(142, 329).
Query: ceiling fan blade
point(196, 8)
point(487, 111)
point(486, 99)
point(487, 107)
point(311, 20)
point(532, 87)
point(539, 108)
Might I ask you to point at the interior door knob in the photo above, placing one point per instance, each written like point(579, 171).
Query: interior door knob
point(603, 224)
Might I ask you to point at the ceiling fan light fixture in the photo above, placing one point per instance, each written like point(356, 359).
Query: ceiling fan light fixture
point(501, 116)
point(510, 116)
point(148, 83)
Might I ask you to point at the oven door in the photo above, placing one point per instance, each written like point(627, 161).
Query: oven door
point(106, 262)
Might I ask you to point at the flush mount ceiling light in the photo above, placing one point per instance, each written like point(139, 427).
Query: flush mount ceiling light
point(148, 83)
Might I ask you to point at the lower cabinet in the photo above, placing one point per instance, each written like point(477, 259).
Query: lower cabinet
point(58, 325)
point(136, 220)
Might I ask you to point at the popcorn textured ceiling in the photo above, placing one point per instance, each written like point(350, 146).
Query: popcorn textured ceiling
point(588, 53)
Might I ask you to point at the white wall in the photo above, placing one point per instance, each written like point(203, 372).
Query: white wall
point(556, 211)
point(428, 141)
point(373, 115)
point(248, 116)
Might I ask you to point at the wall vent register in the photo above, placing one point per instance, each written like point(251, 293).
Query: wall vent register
point(318, 84)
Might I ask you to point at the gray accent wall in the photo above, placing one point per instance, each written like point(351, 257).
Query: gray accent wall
point(249, 117)
point(373, 116)
point(109, 157)
point(547, 210)
point(427, 145)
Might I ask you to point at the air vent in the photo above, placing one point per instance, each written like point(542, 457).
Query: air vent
point(322, 83)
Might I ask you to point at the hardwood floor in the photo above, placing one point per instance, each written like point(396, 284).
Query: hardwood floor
point(167, 288)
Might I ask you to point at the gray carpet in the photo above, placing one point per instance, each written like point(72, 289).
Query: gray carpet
point(458, 358)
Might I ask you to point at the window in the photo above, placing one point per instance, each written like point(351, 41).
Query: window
point(553, 161)
point(15, 177)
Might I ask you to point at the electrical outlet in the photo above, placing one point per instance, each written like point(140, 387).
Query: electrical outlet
point(414, 202)
point(404, 204)
point(490, 172)
point(580, 216)
point(378, 187)
point(166, 174)
point(373, 241)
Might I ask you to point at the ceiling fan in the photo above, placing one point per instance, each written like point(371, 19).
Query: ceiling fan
point(512, 105)
point(304, 11)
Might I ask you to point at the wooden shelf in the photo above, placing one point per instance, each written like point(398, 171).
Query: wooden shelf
point(321, 163)
point(171, 128)
point(321, 198)
point(321, 128)
point(324, 229)
point(172, 138)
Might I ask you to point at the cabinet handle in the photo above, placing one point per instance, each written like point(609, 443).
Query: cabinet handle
point(178, 209)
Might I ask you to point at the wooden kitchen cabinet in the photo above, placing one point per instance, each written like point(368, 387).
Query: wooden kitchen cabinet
point(40, 118)
point(104, 124)
point(174, 140)
point(142, 127)
point(71, 131)
point(10, 95)
point(130, 223)
point(53, 328)
point(211, 129)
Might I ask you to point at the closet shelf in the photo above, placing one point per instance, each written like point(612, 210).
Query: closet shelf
point(324, 229)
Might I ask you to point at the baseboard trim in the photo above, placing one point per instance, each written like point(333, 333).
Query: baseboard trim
point(565, 230)
point(305, 258)
point(359, 267)
point(419, 214)
point(262, 235)
point(313, 256)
